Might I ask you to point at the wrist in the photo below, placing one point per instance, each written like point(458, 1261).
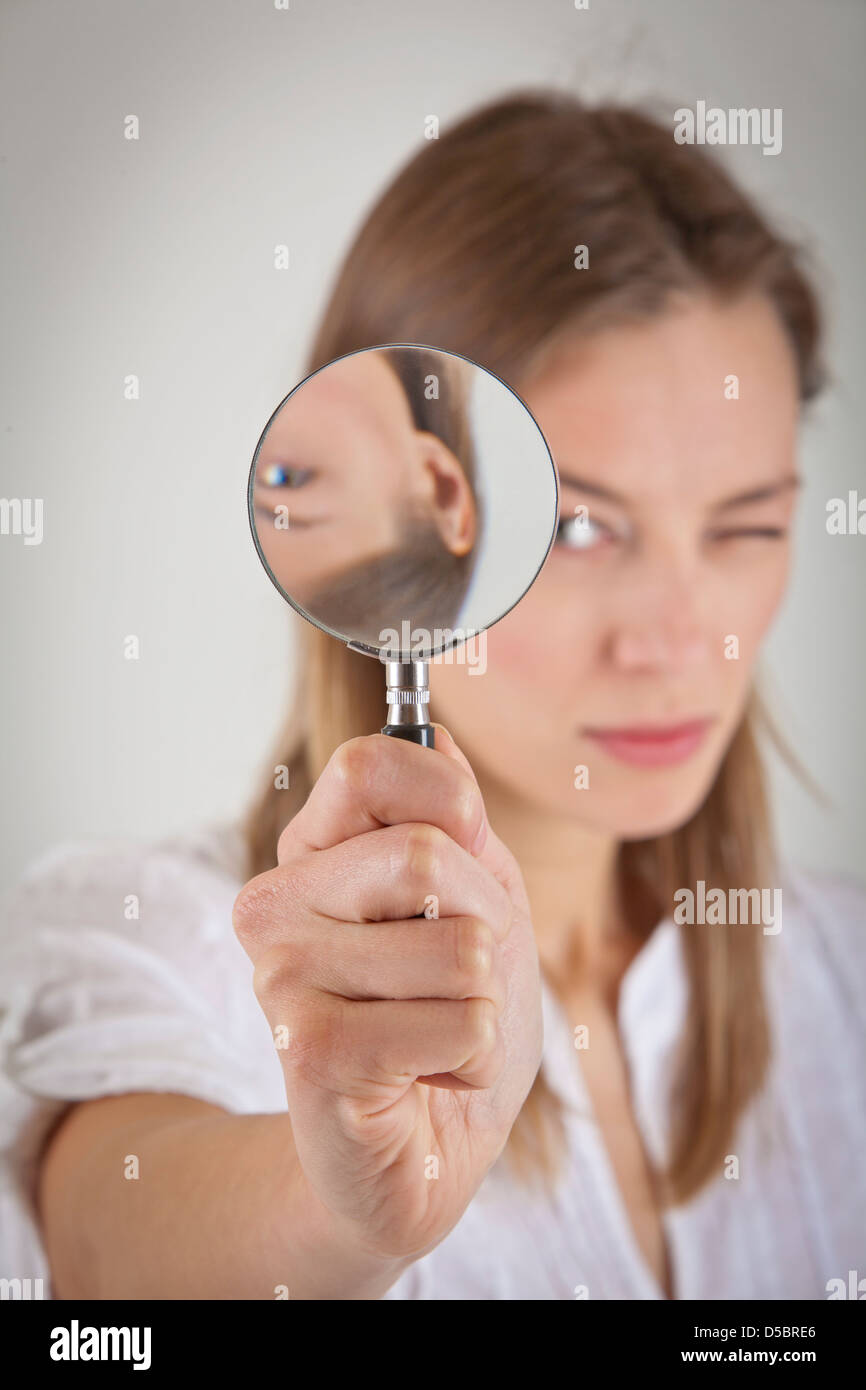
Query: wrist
point(338, 1262)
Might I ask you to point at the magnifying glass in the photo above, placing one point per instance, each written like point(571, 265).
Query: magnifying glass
point(403, 499)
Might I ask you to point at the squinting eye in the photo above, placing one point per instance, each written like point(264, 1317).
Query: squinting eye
point(278, 475)
point(770, 533)
point(582, 533)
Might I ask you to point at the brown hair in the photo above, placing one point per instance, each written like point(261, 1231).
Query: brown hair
point(471, 248)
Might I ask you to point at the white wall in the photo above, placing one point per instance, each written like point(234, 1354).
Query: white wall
point(155, 257)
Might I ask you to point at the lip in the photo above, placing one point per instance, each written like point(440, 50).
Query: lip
point(653, 745)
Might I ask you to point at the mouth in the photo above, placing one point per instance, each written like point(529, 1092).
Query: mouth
point(652, 745)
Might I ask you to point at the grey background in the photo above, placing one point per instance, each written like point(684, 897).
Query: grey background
point(155, 257)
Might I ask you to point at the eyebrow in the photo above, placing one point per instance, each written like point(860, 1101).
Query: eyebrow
point(741, 499)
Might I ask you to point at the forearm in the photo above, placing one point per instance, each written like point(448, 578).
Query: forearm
point(219, 1209)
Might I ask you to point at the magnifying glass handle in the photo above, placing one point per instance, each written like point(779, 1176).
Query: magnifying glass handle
point(413, 733)
point(408, 695)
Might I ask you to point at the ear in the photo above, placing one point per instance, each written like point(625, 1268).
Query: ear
point(447, 493)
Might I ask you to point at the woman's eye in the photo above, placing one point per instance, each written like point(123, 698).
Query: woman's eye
point(770, 533)
point(581, 532)
point(281, 475)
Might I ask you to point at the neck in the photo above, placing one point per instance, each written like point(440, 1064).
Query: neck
point(570, 872)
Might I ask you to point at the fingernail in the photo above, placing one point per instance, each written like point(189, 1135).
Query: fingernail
point(444, 731)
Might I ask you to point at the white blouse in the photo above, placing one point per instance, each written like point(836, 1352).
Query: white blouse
point(96, 1000)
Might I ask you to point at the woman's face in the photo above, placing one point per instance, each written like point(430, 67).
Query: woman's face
point(631, 656)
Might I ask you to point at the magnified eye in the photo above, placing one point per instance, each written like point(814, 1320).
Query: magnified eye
point(581, 532)
point(281, 475)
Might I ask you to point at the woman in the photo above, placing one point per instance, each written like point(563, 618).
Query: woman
point(695, 1127)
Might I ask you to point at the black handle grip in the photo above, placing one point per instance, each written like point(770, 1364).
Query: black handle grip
point(414, 733)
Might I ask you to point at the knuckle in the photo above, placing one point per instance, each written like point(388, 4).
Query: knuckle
point(267, 899)
point(291, 889)
point(253, 906)
point(352, 763)
point(276, 975)
point(473, 947)
point(423, 851)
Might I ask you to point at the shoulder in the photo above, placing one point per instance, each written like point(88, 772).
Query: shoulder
point(826, 911)
point(214, 849)
point(120, 970)
point(820, 950)
point(165, 897)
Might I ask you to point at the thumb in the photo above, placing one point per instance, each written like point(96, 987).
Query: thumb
point(445, 744)
point(489, 849)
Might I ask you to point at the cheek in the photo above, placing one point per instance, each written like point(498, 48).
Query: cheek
point(748, 600)
point(521, 642)
point(534, 664)
point(541, 656)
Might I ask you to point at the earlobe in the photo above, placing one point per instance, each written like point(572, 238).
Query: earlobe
point(448, 494)
point(462, 543)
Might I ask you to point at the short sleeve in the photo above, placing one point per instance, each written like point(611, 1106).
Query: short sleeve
point(120, 971)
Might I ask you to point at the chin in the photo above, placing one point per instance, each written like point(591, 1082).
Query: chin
point(645, 812)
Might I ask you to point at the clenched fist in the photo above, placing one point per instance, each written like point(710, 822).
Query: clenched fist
point(403, 1038)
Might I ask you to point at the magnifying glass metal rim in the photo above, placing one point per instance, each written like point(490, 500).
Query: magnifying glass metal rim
point(368, 650)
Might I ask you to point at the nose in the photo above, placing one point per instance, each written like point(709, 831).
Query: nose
point(660, 627)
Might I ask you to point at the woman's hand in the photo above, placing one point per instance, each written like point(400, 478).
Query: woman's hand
point(408, 1044)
